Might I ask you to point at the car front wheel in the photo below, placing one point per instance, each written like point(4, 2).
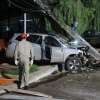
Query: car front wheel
point(73, 64)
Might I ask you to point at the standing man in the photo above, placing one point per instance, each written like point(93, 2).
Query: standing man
point(23, 58)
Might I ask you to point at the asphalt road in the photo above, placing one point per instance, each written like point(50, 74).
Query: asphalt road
point(81, 86)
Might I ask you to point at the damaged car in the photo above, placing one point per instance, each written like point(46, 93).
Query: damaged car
point(49, 48)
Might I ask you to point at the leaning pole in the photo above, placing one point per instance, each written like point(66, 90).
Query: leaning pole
point(67, 31)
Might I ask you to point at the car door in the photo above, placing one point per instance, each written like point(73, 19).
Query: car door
point(36, 43)
point(56, 49)
point(10, 50)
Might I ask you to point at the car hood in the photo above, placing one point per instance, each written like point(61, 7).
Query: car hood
point(72, 49)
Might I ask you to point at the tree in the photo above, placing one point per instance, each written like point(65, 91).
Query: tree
point(86, 13)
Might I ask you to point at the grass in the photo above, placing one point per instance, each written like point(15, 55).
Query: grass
point(33, 68)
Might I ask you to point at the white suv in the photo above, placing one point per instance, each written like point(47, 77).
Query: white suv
point(49, 48)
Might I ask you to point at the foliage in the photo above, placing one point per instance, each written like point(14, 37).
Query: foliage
point(97, 16)
point(33, 68)
point(86, 13)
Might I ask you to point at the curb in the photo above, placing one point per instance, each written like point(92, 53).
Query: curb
point(34, 77)
point(38, 75)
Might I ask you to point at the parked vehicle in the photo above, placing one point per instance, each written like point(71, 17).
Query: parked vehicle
point(92, 37)
point(49, 48)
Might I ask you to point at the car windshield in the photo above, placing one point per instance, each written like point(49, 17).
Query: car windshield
point(63, 40)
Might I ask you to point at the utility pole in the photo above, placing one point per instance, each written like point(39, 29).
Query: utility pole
point(25, 22)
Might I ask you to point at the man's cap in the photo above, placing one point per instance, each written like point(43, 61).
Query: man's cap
point(23, 35)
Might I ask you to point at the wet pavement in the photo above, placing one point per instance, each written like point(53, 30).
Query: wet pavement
point(81, 86)
point(67, 86)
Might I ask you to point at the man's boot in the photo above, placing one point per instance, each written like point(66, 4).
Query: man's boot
point(19, 84)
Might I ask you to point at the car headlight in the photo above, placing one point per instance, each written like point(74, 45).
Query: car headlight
point(80, 52)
